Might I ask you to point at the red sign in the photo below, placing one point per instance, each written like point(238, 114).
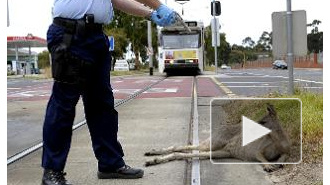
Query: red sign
point(27, 38)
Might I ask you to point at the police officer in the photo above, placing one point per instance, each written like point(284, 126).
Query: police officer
point(81, 67)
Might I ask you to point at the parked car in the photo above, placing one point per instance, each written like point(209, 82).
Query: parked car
point(280, 64)
point(224, 66)
point(121, 65)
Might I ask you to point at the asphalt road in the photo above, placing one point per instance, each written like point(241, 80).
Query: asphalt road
point(258, 82)
point(26, 104)
point(153, 121)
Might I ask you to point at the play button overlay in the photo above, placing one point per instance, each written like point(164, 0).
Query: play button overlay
point(252, 131)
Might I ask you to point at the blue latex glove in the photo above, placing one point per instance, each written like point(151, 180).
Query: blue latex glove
point(163, 16)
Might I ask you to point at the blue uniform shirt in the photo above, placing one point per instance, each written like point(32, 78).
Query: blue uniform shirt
point(76, 9)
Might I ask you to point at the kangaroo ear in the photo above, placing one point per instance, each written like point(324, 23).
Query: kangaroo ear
point(271, 109)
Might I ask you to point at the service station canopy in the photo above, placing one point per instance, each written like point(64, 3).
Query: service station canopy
point(25, 42)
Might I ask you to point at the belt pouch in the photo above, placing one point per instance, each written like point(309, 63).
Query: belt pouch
point(81, 28)
point(65, 68)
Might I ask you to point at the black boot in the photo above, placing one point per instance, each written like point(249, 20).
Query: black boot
point(125, 172)
point(52, 177)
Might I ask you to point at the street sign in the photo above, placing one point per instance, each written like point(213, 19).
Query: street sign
point(279, 24)
point(112, 43)
point(215, 26)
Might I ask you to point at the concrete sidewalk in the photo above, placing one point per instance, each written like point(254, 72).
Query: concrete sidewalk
point(144, 124)
point(225, 174)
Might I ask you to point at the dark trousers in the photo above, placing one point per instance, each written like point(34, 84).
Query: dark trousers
point(98, 100)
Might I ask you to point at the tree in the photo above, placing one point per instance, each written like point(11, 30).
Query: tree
point(43, 60)
point(314, 25)
point(223, 50)
point(135, 29)
point(265, 42)
point(248, 42)
point(315, 39)
point(121, 41)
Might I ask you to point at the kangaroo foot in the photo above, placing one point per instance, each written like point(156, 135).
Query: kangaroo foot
point(153, 152)
point(272, 167)
point(152, 162)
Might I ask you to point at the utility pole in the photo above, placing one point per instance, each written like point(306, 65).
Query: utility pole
point(215, 11)
point(150, 49)
point(215, 40)
point(8, 21)
point(290, 47)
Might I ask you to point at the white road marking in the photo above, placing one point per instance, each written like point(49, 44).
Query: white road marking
point(125, 91)
point(117, 81)
point(247, 86)
point(223, 87)
point(312, 87)
point(251, 82)
point(162, 90)
point(29, 94)
point(152, 90)
point(297, 79)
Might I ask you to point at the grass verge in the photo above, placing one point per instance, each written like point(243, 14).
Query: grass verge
point(289, 115)
point(312, 125)
point(124, 73)
point(209, 68)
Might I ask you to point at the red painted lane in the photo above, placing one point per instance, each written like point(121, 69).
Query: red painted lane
point(207, 88)
point(170, 87)
point(123, 87)
point(30, 93)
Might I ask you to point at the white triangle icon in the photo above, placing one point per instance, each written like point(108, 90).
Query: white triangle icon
point(252, 131)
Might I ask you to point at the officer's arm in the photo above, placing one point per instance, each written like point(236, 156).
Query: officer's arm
point(154, 4)
point(132, 7)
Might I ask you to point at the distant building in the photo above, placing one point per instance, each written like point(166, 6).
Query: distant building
point(23, 61)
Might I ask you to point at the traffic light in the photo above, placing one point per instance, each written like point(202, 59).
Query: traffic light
point(217, 11)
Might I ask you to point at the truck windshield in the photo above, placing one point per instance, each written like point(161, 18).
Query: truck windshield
point(181, 41)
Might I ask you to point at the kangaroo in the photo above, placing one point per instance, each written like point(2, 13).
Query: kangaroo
point(273, 147)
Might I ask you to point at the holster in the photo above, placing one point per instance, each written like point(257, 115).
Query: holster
point(66, 67)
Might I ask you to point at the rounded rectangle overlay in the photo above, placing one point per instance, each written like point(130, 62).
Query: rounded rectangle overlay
point(256, 131)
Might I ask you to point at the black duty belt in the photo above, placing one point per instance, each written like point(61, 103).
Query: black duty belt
point(71, 25)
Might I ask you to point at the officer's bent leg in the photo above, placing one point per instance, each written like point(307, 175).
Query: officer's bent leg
point(102, 121)
point(57, 129)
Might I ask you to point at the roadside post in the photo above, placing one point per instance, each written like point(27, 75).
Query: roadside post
point(150, 52)
point(215, 11)
point(289, 38)
point(290, 46)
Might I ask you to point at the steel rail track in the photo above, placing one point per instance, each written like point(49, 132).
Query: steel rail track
point(192, 175)
point(195, 163)
point(30, 150)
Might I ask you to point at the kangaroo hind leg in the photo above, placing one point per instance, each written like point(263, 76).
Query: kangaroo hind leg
point(176, 156)
point(171, 149)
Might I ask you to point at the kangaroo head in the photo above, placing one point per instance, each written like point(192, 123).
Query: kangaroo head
point(270, 121)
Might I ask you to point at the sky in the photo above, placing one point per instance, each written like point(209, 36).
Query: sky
point(239, 18)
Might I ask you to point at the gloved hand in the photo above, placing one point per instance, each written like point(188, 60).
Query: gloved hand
point(163, 16)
